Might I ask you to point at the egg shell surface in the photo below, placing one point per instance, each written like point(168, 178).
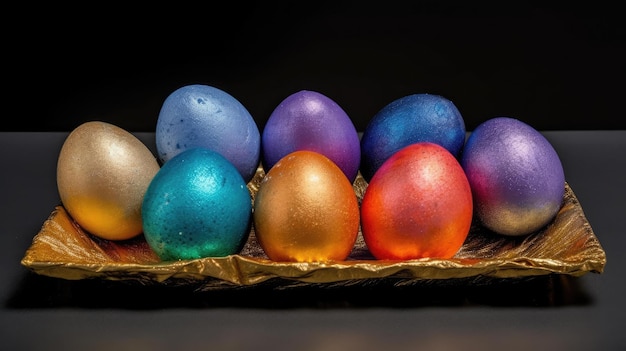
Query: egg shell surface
point(306, 210)
point(516, 175)
point(407, 120)
point(417, 205)
point(308, 120)
point(103, 172)
point(204, 116)
point(197, 205)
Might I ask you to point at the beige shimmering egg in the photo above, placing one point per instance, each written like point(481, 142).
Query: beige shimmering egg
point(103, 172)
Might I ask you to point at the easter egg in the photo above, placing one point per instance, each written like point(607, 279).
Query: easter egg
point(516, 176)
point(417, 205)
point(197, 205)
point(103, 172)
point(306, 210)
point(204, 116)
point(308, 120)
point(407, 120)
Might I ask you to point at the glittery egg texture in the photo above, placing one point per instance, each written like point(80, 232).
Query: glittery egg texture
point(417, 205)
point(103, 172)
point(306, 210)
point(205, 116)
point(197, 205)
point(516, 176)
point(308, 120)
point(410, 119)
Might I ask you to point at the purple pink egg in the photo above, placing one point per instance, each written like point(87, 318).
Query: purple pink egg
point(516, 176)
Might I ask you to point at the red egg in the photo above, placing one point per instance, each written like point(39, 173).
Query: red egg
point(417, 205)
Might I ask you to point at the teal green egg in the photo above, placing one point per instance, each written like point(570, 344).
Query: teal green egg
point(196, 206)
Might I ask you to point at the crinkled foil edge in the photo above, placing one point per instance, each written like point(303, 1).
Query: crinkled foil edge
point(567, 246)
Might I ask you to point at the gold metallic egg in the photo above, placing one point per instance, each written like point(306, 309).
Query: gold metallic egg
point(103, 172)
point(306, 210)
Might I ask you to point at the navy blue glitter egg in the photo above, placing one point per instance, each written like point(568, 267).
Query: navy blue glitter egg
point(410, 119)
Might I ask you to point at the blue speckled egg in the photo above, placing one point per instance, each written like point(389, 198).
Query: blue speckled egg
point(308, 120)
point(516, 176)
point(205, 116)
point(408, 120)
point(197, 205)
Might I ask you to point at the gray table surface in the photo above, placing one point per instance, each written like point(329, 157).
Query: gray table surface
point(556, 313)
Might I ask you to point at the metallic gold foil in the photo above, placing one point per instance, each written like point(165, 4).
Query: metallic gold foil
point(567, 246)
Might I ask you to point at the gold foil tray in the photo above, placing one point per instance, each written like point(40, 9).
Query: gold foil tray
point(566, 246)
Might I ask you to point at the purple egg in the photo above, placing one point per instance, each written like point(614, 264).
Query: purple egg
point(516, 176)
point(308, 120)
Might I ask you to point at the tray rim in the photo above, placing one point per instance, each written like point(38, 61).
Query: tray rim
point(254, 270)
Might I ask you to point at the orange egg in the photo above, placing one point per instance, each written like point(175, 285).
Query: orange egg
point(306, 210)
point(417, 205)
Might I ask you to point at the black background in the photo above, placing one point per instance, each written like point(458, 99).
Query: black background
point(554, 66)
